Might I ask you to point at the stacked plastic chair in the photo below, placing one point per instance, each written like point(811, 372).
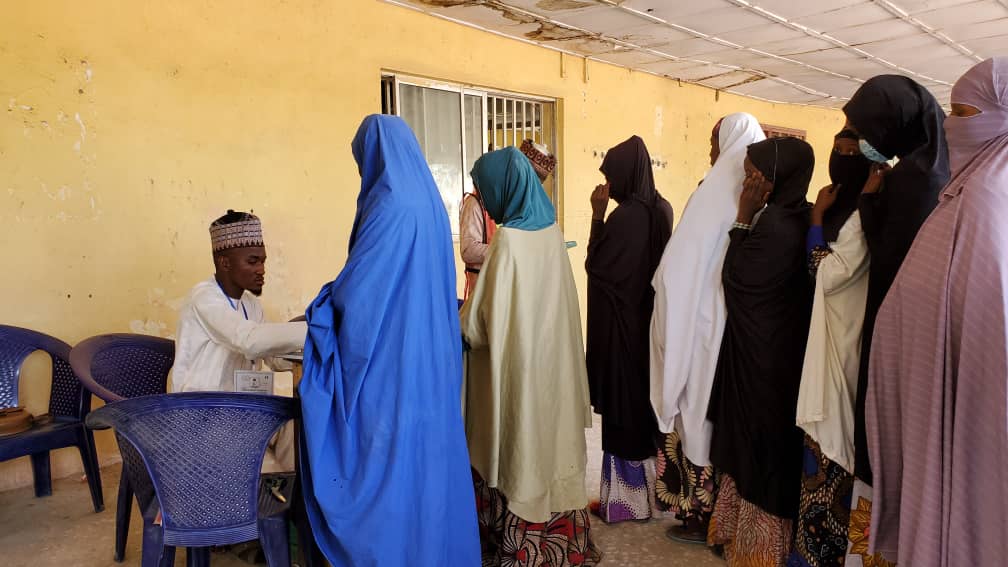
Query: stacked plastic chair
point(115, 367)
point(198, 457)
point(69, 402)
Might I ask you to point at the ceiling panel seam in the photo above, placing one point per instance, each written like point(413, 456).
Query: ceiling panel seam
point(714, 39)
point(835, 41)
point(940, 36)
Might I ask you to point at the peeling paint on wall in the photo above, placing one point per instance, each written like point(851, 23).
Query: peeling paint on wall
point(147, 327)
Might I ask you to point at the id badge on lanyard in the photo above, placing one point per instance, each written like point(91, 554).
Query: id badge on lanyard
point(253, 382)
point(249, 381)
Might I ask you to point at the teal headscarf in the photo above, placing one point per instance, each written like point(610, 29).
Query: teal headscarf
point(511, 190)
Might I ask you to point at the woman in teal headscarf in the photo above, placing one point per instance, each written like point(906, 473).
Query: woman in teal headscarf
point(526, 388)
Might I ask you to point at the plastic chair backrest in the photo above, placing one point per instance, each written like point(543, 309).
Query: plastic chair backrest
point(119, 366)
point(203, 452)
point(67, 398)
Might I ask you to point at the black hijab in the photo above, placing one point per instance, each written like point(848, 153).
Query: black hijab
point(848, 173)
point(788, 164)
point(900, 118)
point(627, 166)
point(623, 253)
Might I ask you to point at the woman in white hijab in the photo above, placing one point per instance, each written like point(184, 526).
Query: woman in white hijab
point(686, 329)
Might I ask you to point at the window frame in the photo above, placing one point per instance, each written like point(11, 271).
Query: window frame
point(390, 105)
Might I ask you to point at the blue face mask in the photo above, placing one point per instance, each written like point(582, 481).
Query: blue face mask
point(871, 153)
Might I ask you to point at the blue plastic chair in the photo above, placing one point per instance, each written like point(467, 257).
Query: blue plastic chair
point(69, 402)
point(196, 457)
point(119, 366)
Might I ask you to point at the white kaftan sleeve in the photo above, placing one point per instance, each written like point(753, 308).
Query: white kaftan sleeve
point(227, 326)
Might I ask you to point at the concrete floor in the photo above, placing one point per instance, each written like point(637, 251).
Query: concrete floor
point(63, 530)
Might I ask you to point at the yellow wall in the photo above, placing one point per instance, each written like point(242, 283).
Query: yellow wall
point(125, 127)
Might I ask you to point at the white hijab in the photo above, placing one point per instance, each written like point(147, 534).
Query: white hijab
point(689, 307)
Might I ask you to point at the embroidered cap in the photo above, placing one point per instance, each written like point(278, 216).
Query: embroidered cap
point(542, 161)
point(235, 230)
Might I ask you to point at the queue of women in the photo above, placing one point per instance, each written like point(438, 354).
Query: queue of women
point(799, 384)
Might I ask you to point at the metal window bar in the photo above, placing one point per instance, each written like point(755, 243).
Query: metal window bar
point(388, 95)
point(510, 121)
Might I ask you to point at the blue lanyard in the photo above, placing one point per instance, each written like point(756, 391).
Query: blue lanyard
point(232, 303)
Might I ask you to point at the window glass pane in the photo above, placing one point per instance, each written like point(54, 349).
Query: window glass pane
point(436, 118)
point(473, 123)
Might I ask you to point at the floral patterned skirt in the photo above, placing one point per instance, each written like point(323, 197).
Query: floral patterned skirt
point(823, 512)
point(627, 490)
point(683, 489)
point(860, 524)
point(509, 541)
point(751, 536)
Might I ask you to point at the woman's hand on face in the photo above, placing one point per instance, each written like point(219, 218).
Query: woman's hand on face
point(600, 201)
point(827, 196)
point(755, 193)
point(875, 177)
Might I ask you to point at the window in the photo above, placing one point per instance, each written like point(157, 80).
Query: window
point(772, 131)
point(456, 124)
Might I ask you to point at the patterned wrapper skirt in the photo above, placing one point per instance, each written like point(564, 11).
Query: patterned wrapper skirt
point(823, 512)
point(860, 524)
point(509, 541)
point(683, 489)
point(627, 491)
point(751, 537)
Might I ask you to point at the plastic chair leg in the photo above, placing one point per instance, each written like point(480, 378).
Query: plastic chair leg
point(155, 553)
point(43, 478)
point(124, 509)
point(197, 557)
point(89, 458)
point(275, 540)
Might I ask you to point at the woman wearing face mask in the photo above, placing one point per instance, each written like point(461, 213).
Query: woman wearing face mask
point(894, 117)
point(936, 406)
point(755, 444)
point(838, 260)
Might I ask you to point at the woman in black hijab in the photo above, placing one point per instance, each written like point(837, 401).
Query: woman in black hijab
point(894, 117)
point(756, 445)
point(623, 253)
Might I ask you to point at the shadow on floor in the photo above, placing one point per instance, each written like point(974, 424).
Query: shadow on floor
point(63, 530)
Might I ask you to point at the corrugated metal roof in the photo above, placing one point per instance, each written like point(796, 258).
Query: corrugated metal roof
point(815, 52)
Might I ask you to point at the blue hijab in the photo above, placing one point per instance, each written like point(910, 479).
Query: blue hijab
point(384, 458)
point(511, 190)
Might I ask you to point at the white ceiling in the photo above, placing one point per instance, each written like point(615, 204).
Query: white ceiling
point(812, 52)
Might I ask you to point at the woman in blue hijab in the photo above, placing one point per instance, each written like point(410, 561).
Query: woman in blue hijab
point(526, 388)
point(385, 461)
